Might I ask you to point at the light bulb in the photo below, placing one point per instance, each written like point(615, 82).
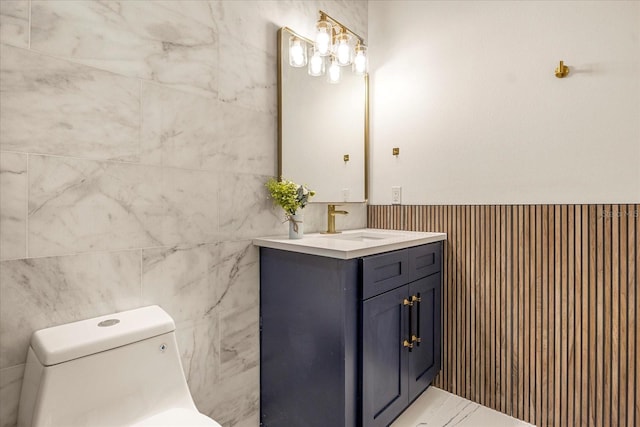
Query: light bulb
point(316, 64)
point(297, 53)
point(360, 61)
point(343, 51)
point(323, 38)
point(334, 71)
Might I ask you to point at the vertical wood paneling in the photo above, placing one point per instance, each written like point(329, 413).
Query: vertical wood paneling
point(540, 307)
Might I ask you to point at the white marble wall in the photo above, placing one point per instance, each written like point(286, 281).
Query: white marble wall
point(135, 140)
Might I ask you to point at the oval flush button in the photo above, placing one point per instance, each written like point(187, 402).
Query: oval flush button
point(108, 322)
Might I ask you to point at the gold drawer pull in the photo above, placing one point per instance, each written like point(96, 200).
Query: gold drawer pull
point(407, 344)
point(415, 339)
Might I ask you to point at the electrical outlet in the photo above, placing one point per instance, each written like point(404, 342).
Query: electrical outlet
point(345, 194)
point(396, 195)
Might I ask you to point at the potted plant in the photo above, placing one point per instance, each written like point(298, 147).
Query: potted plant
point(292, 198)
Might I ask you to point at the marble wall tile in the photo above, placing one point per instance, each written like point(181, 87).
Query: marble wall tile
point(248, 76)
point(189, 131)
point(246, 210)
point(10, 387)
point(178, 128)
point(251, 420)
point(53, 291)
point(237, 275)
point(181, 280)
point(132, 38)
point(231, 401)
point(50, 106)
point(198, 10)
point(247, 142)
point(13, 205)
point(14, 22)
point(191, 206)
point(254, 23)
point(198, 342)
point(79, 205)
point(239, 340)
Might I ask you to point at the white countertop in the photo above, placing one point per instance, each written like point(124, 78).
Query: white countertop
point(351, 243)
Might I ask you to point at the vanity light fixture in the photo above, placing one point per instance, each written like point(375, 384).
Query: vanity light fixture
point(334, 46)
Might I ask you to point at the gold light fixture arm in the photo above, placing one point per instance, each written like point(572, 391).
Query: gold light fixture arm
point(324, 16)
point(293, 33)
point(562, 70)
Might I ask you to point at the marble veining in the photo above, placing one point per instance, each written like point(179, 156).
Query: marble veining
point(14, 22)
point(132, 38)
point(239, 341)
point(78, 205)
point(51, 106)
point(245, 209)
point(239, 404)
point(13, 205)
point(184, 130)
point(248, 76)
point(180, 280)
point(10, 386)
point(190, 206)
point(237, 275)
point(199, 351)
point(438, 408)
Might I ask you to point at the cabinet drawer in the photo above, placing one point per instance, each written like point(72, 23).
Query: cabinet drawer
point(381, 273)
point(424, 260)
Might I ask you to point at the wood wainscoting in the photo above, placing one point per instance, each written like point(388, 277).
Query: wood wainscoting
point(540, 307)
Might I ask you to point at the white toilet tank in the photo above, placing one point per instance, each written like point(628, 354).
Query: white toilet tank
point(117, 370)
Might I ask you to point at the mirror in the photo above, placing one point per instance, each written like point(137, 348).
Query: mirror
point(319, 124)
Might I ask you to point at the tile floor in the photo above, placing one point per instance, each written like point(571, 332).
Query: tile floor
point(438, 408)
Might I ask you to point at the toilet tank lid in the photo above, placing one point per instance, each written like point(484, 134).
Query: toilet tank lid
point(73, 340)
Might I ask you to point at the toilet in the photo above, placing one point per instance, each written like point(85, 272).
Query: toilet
point(118, 370)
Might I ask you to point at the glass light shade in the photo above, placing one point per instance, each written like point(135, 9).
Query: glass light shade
point(323, 37)
point(343, 49)
point(333, 74)
point(360, 62)
point(316, 63)
point(297, 52)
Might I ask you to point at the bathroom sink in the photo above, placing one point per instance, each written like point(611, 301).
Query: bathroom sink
point(351, 243)
point(361, 236)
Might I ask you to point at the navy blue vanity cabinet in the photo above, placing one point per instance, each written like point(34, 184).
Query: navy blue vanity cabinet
point(347, 343)
point(401, 331)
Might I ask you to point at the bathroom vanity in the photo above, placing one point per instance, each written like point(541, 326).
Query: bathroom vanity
point(350, 326)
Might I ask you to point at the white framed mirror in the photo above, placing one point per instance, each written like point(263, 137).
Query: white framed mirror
point(322, 129)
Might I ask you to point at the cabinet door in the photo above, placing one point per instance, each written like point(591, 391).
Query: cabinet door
point(424, 361)
point(384, 359)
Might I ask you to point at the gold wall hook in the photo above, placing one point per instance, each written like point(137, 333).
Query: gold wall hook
point(562, 70)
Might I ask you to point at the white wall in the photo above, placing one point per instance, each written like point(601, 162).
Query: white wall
point(467, 91)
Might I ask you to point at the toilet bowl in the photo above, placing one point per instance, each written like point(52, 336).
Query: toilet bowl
point(118, 370)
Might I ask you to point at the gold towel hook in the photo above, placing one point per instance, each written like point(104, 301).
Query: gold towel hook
point(562, 70)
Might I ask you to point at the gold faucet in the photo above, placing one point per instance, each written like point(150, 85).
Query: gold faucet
point(331, 219)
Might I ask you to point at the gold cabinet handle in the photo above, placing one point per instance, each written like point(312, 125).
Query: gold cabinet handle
point(415, 339)
point(415, 298)
point(407, 302)
point(407, 344)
